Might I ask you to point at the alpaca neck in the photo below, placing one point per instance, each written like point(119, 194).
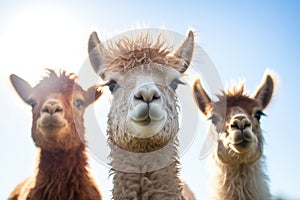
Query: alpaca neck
point(63, 175)
point(244, 181)
point(63, 163)
point(152, 175)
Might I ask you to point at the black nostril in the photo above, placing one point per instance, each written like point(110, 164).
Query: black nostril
point(247, 125)
point(45, 110)
point(140, 97)
point(145, 99)
point(156, 97)
point(234, 126)
point(58, 110)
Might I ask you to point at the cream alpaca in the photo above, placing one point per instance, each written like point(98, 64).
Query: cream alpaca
point(143, 120)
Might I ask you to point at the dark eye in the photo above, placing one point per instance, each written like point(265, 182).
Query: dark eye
point(258, 115)
point(79, 103)
point(174, 83)
point(214, 119)
point(31, 102)
point(112, 85)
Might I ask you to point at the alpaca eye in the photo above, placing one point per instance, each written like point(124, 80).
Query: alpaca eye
point(79, 104)
point(112, 85)
point(258, 115)
point(174, 84)
point(214, 119)
point(31, 102)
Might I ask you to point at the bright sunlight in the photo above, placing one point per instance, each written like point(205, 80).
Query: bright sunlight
point(39, 38)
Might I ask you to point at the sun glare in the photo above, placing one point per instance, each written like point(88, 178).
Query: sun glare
point(41, 37)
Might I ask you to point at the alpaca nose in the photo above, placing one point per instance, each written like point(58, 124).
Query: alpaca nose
point(240, 122)
point(52, 106)
point(147, 93)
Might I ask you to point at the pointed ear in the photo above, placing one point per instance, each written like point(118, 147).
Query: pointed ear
point(21, 86)
point(93, 93)
point(95, 53)
point(265, 91)
point(202, 99)
point(185, 51)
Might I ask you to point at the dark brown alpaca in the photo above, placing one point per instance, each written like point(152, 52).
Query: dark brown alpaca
point(238, 163)
point(58, 105)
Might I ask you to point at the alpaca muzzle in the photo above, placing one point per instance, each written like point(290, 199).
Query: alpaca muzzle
point(147, 115)
point(52, 115)
point(240, 133)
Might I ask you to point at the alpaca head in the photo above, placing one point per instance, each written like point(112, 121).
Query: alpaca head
point(236, 119)
point(142, 77)
point(58, 105)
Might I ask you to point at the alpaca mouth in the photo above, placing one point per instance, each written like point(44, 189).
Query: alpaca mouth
point(147, 120)
point(243, 146)
point(51, 122)
point(144, 114)
point(50, 127)
point(241, 139)
point(144, 122)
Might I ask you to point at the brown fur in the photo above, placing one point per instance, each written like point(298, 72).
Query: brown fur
point(63, 175)
point(123, 62)
point(62, 164)
point(238, 163)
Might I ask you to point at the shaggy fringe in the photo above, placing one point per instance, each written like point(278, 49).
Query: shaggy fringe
point(129, 52)
point(237, 90)
point(61, 80)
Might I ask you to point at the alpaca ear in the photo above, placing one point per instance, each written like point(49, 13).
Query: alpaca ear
point(185, 51)
point(95, 53)
point(265, 91)
point(93, 93)
point(23, 88)
point(202, 99)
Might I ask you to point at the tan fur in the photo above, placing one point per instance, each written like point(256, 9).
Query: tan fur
point(237, 161)
point(21, 191)
point(126, 53)
point(62, 168)
point(143, 168)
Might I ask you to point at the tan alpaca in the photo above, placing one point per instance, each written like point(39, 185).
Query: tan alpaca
point(143, 119)
point(58, 105)
point(238, 161)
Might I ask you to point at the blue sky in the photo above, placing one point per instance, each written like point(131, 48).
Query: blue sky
point(242, 38)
